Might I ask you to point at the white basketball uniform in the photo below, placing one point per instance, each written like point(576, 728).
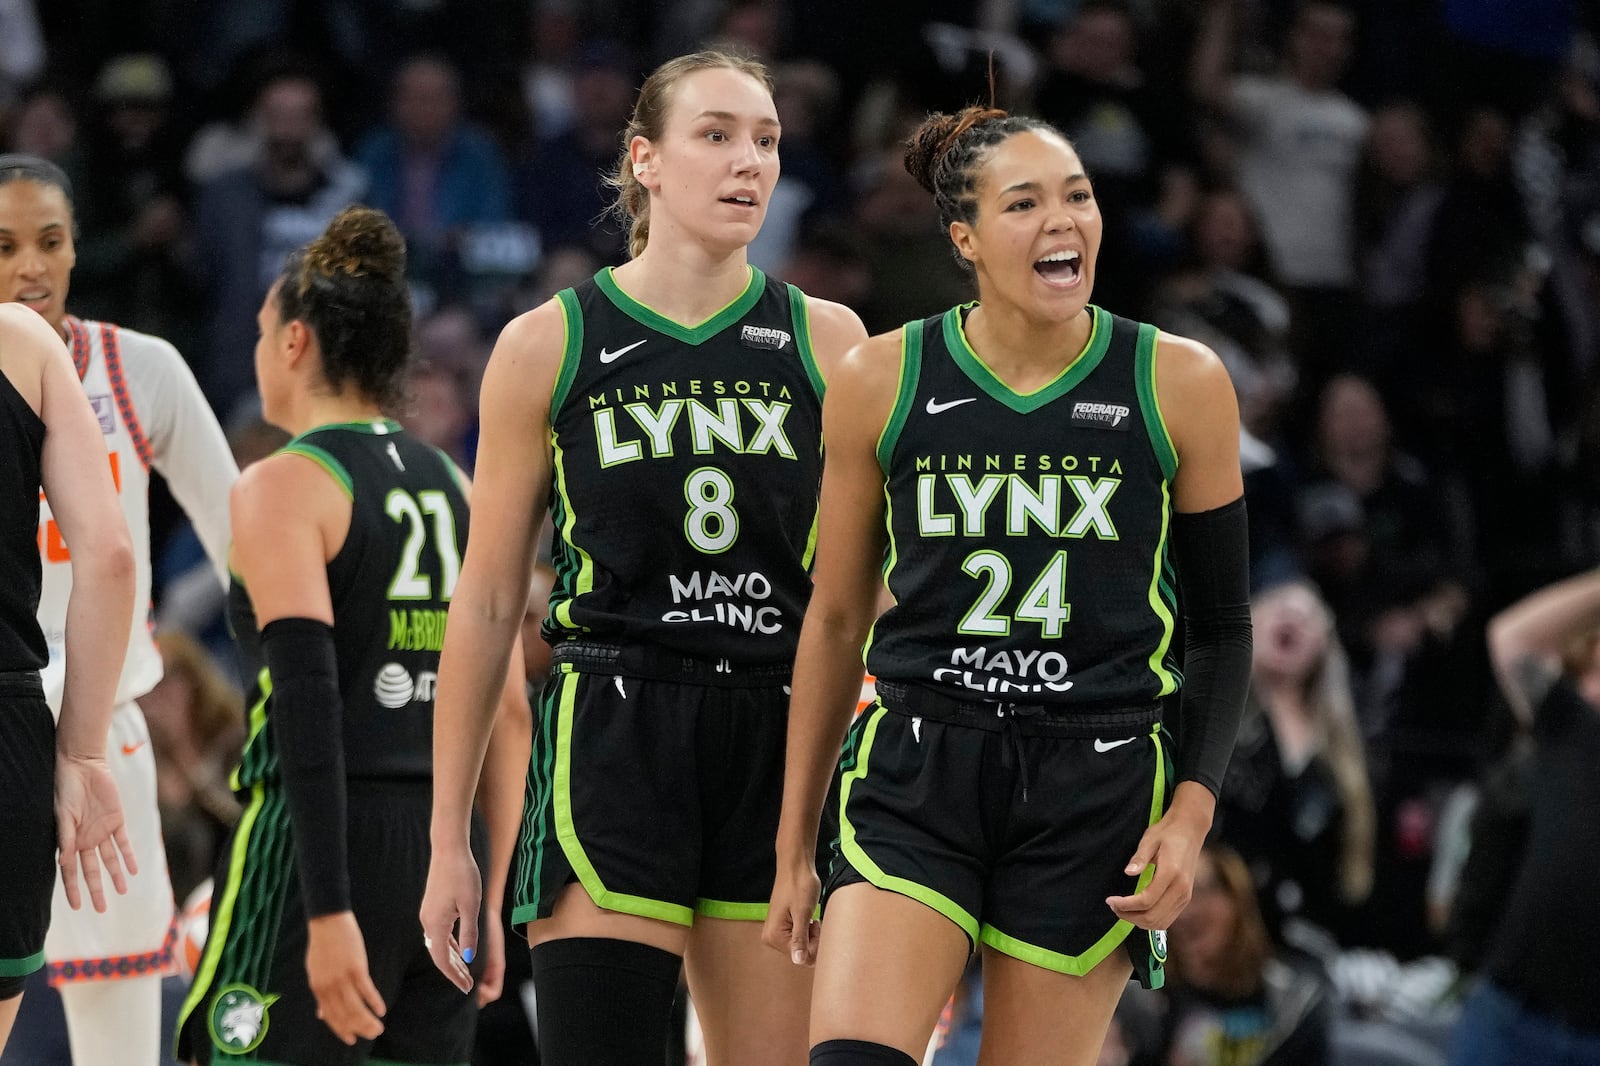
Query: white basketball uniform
point(153, 415)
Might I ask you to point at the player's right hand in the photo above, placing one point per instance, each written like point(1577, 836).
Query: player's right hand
point(454, 895)
point(336, 967)
point(790, 926)
point(90, 829)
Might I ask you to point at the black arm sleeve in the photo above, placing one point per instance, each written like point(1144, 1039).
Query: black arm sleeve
point(1212, 553)
point(307, 727)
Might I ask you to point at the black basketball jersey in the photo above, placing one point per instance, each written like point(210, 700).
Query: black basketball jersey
point(22, 644)
point(687, 466)
point(1028, 533)
point(391, 584)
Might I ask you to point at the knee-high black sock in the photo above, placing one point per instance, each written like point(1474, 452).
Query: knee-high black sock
point(858, 1053)
point(603, 1002)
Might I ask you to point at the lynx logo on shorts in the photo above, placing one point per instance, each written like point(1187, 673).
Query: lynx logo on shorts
point(1101, 415)
point(764, 337)
point(238, 1019)
point(1158, 946)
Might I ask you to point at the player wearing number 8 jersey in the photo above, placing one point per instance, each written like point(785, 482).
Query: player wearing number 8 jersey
point(346, 549)
point(1044, 477)
point(668, 414)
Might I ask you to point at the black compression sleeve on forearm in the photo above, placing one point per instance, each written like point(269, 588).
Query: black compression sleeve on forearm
point(1212, 552)
point(308, 732)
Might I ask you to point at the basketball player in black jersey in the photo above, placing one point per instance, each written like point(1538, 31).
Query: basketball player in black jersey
point(667, 413)
point(50, 439)
point(1043, 476)
point(347, 544)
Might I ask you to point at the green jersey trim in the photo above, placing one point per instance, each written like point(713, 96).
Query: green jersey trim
point(800, 314)
point(572, 847)
point(376, 427)
point(1144, 377)
point(562, 515)
point(1094, 350)
point(863, 863)
point(1078, 965)
point(650, 317)
point(1161, 600)
point(571, 346)
point(905, 395)
point(325, 460)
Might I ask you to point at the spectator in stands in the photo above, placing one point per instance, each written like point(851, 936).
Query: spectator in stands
point(1296, 802)
point(1299, 142)
point(1536, 998)
point(1235, 1000)
point(430, 169)
point(249, 219)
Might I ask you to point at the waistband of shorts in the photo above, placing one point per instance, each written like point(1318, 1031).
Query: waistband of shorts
point(1030, 719)
point(21, 683)
point(662, 664)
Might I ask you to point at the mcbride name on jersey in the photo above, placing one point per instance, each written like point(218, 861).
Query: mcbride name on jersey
point(1028, 533)
point(687, 467)
point(391, 584)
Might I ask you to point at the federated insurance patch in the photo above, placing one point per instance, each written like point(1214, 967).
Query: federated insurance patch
point(1093, 415)
point(238, 1020)
point(774, 340)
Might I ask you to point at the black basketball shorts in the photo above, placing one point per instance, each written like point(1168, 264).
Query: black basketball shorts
point(27, 824)
point(660, 797)
point(1014, 833)
point(251, 1002)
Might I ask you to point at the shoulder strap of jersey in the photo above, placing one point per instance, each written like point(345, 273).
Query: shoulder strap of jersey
point(571, 347)
point(1144, 374)
point(800, 315)
point(109, 344)
point(905, 395)
point(303, 445)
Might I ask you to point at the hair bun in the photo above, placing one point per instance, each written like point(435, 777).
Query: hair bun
point(930, 142)
point(360, 241)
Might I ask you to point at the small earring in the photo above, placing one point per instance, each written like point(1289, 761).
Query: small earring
point(638, 170)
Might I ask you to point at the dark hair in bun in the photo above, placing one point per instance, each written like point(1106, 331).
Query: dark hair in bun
point(349, 287)
point(945, 152)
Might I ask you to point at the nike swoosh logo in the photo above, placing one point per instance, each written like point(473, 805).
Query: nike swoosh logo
point(937, 408)
point(1103, 745)
point(610, 356)
point(129, 749)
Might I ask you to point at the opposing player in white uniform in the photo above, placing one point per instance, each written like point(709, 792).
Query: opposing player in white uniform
point(108, 967)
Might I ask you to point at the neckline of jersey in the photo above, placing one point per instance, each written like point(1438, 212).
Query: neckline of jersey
point(373, 426)
point(972, 364)
point(648, 316)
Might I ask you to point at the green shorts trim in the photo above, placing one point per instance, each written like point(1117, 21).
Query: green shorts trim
point(862, 862)
point(738, 912)
point(567, 832)
point(27, 964)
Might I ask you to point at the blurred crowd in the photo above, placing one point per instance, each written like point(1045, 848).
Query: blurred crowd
point(1384, 216)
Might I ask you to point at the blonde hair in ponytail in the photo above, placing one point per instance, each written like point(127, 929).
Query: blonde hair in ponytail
point(650, 120)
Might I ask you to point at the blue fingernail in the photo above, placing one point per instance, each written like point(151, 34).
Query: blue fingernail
point(467, 954)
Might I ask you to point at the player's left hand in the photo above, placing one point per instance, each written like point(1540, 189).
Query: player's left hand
point(1173, 846)
point(336, 967)
point(90, 829)
point(491, 982)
